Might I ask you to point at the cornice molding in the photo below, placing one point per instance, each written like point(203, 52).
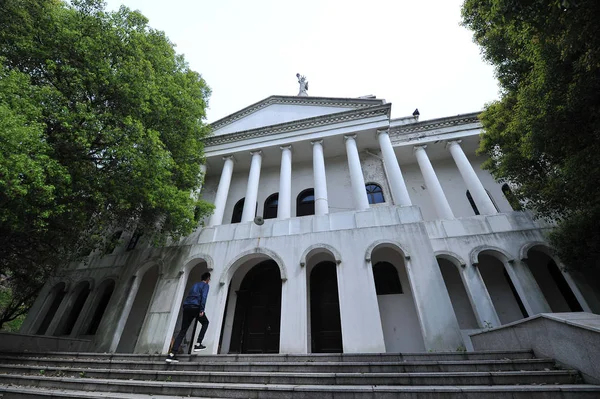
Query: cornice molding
point(323, 101)
point(436, 124)
point(346, 116)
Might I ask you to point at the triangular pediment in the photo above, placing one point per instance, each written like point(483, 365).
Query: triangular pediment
point(276, 110)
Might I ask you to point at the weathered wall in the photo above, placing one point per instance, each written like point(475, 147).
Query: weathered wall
point(358, 239)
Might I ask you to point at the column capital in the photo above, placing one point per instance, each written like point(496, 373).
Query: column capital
point(285, 147)
point(386, 131)
point(349, 136)
point(254, 152)
point(419, 147)
point(319, 141)
point(451, 142)
point(230, 156)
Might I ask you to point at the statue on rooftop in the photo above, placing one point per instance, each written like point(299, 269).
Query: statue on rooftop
point(303, 85)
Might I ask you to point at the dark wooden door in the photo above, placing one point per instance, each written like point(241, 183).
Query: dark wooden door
point(326, 327)
point(257, 319)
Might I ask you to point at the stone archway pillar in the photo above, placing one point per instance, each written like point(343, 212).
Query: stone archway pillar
point(362, 331)
point(171, 321)
point(62, 312)
point(434, 309)
point(578, 290)
point(483, 307)
point(127, 292)
point(215, 311)
point(85, 313)
point(155, 328)
point(38, 311)
point(294, 310)
point(531, 292)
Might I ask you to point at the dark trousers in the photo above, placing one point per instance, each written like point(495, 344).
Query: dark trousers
point(189, 314)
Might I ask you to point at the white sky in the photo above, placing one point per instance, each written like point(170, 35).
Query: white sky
point(414, 54)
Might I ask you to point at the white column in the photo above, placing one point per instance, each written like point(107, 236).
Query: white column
point(222, 191)
point(361, 202)
point(284, 205)
point(440, 202)
point(395, 178)
point(480, 196)
point(249, 211)
point(321, 203)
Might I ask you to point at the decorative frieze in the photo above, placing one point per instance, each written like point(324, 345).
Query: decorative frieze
point(408, 132)
point(382, 110)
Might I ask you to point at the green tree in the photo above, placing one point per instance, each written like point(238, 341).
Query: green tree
point(101, 126)
point(543, 135)
point(30, 182)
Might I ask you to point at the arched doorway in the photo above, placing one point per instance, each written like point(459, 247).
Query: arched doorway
point(458, 295)
point(78, 298)
point(325, 322)
point(551, 281)
point(53, 301)
point(257, 316)
point(138, 311)
point(506, 300)
point(193, 278)
point(397, 310)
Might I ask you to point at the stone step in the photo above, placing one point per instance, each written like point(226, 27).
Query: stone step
point(305, 378)
point(318, 357)
point(18, 392)
point(487, 375)
point(199, 364)
point(69, 387)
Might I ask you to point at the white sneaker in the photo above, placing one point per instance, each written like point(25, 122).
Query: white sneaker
point(199, 347)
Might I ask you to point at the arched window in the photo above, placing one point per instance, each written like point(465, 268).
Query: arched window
point(386, 278)
point(511, 198)
point(492, 199)
point(271, 203)
point(374, 193)
point(113, 242)
point(134, 240)
point(470, 198)
point(305, 203)
point(237, 211)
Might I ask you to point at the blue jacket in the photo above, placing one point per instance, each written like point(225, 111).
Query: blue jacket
point(197, 295)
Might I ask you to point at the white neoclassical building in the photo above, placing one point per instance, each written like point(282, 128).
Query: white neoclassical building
point(336, 229)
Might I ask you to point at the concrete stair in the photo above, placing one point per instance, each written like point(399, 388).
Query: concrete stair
point(498, 374)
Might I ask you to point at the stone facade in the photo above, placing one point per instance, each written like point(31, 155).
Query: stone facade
point(406, 244)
